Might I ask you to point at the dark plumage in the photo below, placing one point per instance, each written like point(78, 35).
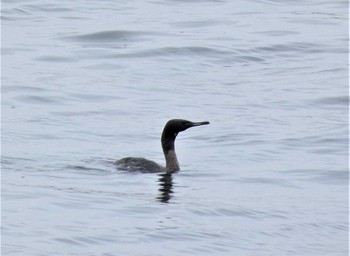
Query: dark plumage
point(170, 131)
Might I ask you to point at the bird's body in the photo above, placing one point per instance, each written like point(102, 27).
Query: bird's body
point(138, 164)
point(171, 130)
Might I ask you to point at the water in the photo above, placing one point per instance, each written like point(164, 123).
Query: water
point(88, 82)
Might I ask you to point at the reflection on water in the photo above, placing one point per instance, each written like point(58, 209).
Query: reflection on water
point(166, 187)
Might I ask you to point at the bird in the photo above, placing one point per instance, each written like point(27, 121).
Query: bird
point(169, 134)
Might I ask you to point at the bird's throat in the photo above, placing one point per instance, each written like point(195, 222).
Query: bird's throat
point(172, 165)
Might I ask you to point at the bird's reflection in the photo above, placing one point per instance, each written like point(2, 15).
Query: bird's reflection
point(166, 187)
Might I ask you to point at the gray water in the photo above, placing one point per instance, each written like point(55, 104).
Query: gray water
point(88, 82)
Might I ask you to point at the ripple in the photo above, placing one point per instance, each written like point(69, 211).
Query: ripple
point(94, 97)
point(56, 59)
point(199, 1)
point(93, 170)
point(68, 241)
point(337, 101)
point(48, 8)
point(186, 51)
point(29, 12)
point(42, 100)
point(317, 144)
point(12, 161)
point(275, 33)
point(15, 14)
point(293, 47)
point(19, 88)
point(113, 36)
point(269, 181)
point(220, 55)
point(196, 24)
point(337, 177)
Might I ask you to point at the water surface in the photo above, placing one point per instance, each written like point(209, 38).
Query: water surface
point(88, 82)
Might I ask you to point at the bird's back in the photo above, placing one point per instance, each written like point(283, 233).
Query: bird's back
point(138, 164)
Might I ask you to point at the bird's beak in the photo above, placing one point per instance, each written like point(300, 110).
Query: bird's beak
point(200, 123)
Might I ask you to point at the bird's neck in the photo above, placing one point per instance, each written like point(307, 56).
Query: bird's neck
point(172, 165)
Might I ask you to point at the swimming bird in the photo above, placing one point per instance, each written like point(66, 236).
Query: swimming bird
point(170, 131)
